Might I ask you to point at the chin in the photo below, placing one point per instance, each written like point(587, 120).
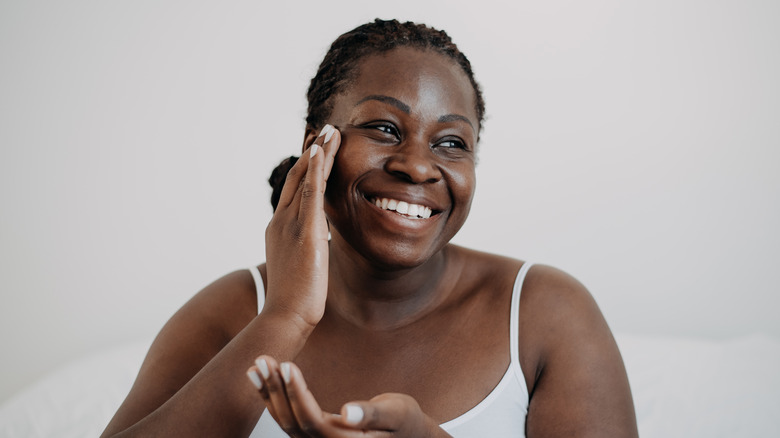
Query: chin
point(393, 255)
point(397, 260)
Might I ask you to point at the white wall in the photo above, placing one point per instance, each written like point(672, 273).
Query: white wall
point(633, 144)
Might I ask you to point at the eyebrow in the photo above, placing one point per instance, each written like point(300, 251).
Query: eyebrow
point(405, 108)
point(453, 118)
point(387, 99)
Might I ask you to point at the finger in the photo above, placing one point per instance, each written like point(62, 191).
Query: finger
point(312, 190)
point(254, 377)
point(291, 182)
point(331, 148)
point(307, 411)
point(275, 396)
point(386, 412)
point(315, 149)
point(257, 380)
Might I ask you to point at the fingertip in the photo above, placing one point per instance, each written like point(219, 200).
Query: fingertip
point(262, 366)
point(286, 375)
point(352, 414)
point(254, 378)
point(329, 134)
point(335, 133)
point(327, 130)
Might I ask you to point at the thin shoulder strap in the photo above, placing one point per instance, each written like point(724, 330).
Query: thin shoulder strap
point(259, 286)
point(514, 322)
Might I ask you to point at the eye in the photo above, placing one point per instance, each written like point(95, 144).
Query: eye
point(387, 128)
point(452, 143)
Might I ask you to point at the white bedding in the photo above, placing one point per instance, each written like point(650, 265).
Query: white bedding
point(682, 388)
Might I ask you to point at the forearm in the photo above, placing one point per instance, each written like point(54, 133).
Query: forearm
point(219, 400)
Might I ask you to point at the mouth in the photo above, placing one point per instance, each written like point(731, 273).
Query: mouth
point(405, 209)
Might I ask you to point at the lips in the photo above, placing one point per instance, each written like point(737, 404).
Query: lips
point(406, 209)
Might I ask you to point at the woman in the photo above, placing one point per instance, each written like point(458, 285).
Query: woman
point(386, 322)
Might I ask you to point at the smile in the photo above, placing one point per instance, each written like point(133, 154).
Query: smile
point(412, 211)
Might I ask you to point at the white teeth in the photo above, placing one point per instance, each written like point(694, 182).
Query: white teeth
point(411, 210)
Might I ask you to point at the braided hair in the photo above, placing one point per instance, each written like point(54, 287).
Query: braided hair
point(339, 70)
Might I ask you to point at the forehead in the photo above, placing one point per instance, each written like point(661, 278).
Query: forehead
point(429, 82)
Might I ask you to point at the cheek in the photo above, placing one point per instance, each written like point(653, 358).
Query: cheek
point(348, 165)
point(353, 160)
point(463, 183)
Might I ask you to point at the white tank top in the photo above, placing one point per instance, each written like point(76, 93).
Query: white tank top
point(501, 414)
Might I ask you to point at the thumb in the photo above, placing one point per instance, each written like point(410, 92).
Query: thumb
point(387, 412)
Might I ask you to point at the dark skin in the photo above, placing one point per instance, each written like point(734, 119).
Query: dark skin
point(361, 320)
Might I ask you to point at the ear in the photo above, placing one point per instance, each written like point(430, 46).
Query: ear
point(309, 136)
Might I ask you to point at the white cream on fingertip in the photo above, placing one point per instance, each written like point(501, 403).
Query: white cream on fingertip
point(262, 365)
point(255, 379)
point(330, 133)
point(286, 372)
point(354, 414)
point(325, 131)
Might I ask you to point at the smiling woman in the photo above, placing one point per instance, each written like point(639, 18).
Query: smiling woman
point(386, 323)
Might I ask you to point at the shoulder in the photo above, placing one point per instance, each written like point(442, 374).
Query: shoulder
point(556, 295)
point(557, 304)
point(556, 310)
point(190, 338)
point(224, 306)
point(210, 319)
point(571, 361)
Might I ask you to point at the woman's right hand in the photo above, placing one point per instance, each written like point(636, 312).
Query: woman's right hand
point(296, 239)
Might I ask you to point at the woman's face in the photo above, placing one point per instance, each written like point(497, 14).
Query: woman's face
point(409, 132)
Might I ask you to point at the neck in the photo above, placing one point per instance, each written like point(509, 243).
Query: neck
point(381, 298)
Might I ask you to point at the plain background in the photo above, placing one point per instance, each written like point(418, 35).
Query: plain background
point(635, 145)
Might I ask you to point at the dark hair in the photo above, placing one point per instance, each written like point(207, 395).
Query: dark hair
point(338, 71)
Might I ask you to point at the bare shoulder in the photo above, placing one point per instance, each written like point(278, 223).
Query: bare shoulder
point(556, 302)
point(208, 321)
point(190, 338)
point(225, 306)
point(575, 374)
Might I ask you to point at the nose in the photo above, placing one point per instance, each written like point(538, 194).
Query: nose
point(414, 162)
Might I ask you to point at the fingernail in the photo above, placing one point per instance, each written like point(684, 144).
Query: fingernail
point(354, 414)
point(262, 365)
point(255, 378)
point(314, 148)
point(329, 134)
point(286, 372)
point(325, 130)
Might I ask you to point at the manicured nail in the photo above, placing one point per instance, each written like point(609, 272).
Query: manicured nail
point(286, 372)
point(262, 365)
point(329, 134)
point(255, 378)
point(354, 414)
point(314, 148)
point(325, 130)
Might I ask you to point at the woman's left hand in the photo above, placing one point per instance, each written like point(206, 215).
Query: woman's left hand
point(295, 409)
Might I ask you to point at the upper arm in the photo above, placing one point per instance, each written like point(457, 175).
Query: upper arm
point(189, 340)
point(579, 384)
